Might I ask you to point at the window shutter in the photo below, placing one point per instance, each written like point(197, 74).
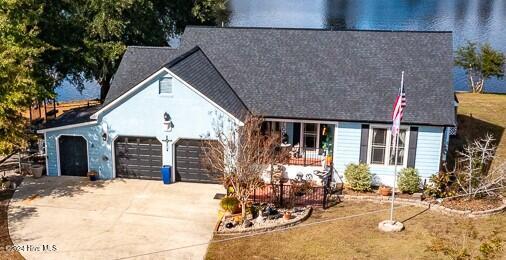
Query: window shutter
point(413, 139)
point(364, 142)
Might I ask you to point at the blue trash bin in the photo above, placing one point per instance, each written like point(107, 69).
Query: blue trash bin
point(166, 172)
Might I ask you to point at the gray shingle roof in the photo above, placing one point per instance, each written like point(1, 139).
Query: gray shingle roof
point(194, 68)
point(74, 116)
point(343, 75)
point(137, 64)
point(316, 74)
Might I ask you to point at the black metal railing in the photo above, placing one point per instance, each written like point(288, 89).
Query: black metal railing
point(285, 194)
point(295, 193)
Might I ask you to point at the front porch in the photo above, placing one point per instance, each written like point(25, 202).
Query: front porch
point(309, 148)
point(309, 143)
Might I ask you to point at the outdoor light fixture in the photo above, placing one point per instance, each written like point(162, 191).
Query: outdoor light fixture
point(104, 132)
point(166, 116)
point(167, 122)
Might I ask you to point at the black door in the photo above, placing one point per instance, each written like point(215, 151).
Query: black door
point(138, 157)
point(189, 165)
point(73, 155)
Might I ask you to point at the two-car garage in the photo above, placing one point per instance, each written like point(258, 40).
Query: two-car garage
point(141, 158)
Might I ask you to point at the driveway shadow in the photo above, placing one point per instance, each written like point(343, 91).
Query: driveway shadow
point(31, 190)
point(61, 186)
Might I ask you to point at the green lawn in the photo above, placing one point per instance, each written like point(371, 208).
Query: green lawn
point(428, 235)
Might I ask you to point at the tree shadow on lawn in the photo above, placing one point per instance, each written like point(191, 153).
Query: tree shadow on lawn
point(469, 129)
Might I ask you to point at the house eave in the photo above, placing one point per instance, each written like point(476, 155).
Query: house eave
point(43, 131)
point(330, 120)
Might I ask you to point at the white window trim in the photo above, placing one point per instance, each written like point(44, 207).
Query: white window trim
point(171, 94)
point(301, 138)
point(389, 146)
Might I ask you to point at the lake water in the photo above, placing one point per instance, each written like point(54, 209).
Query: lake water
point(474, 20)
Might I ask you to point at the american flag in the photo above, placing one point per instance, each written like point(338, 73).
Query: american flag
point(398, 111)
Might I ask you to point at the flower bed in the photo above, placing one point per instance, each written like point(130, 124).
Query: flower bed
point(375, 192)
point(264, 223)
point(479, 204)
point(431, 204)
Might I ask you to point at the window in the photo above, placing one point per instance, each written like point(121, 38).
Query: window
point(402, 144)
point(165, 86)
point(378, 145)
point(382, 147)
point(310, 132)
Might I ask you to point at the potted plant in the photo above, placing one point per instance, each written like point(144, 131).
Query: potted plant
point(230, 205)
point(287, 215)
point(385, 190)
point(37, 170)
point(328, 159)
point(93, 175)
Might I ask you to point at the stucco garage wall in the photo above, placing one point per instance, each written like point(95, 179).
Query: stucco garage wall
point(141, 114)
point(99, 155)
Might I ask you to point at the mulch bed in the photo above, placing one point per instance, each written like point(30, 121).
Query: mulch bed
point(478, 204)
point(375, 193)
point(299, 214)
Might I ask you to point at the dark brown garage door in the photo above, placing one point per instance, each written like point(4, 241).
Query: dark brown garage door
point(189, 164)
point(138, 157)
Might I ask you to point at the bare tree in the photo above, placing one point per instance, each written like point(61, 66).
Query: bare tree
point(240, 153)
point(473, 173)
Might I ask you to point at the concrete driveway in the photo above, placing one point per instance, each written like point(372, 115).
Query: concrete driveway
point(73, 218)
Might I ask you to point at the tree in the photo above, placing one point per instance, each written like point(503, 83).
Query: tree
point(44, 42)
point(205, 10)
point(240, 154)
point(480, 63)
point(90, 37)
point(21, 77)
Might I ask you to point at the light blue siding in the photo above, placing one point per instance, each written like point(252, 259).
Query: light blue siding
point(428, 150)
point(141, 114)
point(347, 150)
point(346, 145)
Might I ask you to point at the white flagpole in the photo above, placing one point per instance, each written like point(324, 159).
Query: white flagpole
point(396, 147)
